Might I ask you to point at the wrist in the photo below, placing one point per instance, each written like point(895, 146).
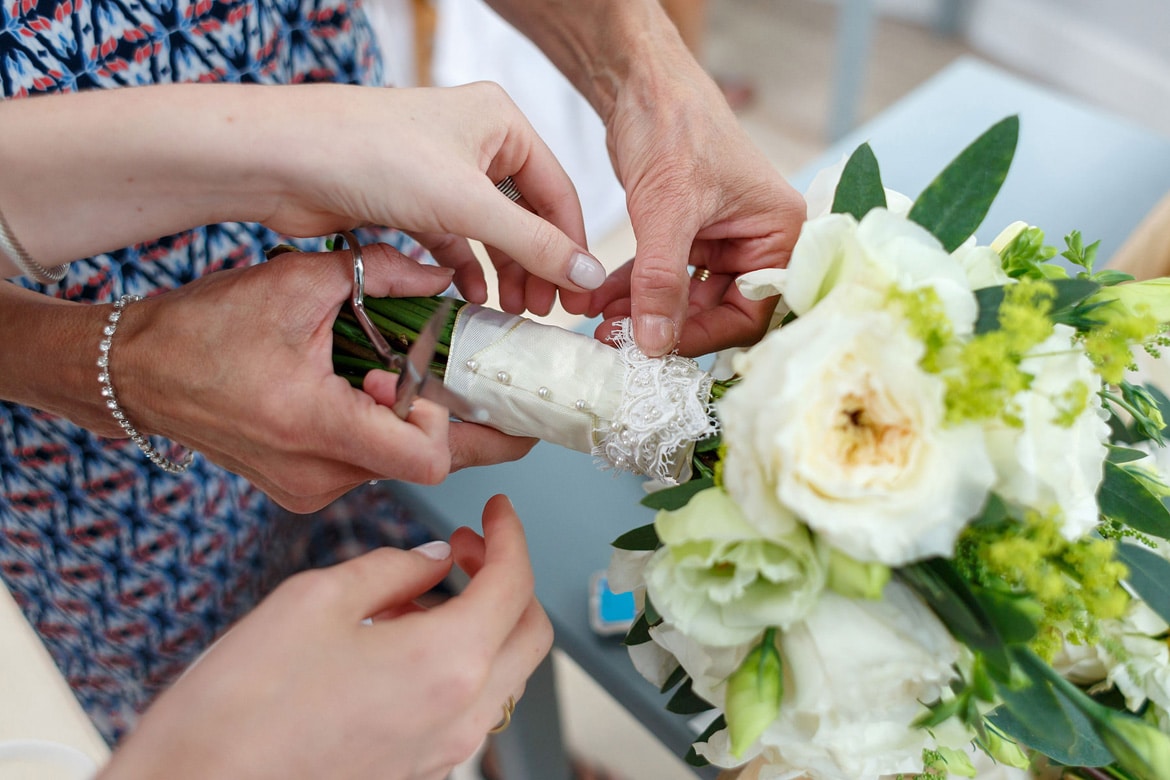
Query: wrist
point(50, 362)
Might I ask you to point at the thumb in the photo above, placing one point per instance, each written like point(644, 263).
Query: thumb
point(659, 288)
point(386, 578)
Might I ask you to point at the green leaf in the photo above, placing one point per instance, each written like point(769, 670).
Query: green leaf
point(693, 758)
point(1122, 454)
point(955, 203)
point(1015, 617)
point(965, 616)
point(639, 633)
point(644, 537)
point(1149, 575)
point(678, 496)
point(1125, 498)
point(686, 702)
point(1069, 294)
point(678, 675)
point(860, 188)
point(1049, 716)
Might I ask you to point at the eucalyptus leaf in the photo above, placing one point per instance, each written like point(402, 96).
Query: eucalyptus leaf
point(1125, 498)
point(644, 537)
point(676, 497)
point(639, 633)
point(1069, 294)
point(1050, 715)
point(686, 702)
point(950, 597)
point(678, 675)
point(1149, 576)
point(1117, 454)
point(955, 203)
point(693, 758)
point(860, 187)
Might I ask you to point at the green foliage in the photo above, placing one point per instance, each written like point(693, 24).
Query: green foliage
point(860, 186)
point(1027, 256)
point(1149, 576)
point(693, 758)
point(1078, 254)
point(676, 497)
point(955, 203)
point(644, 537)
point(1126, 498)
point(1049, 715)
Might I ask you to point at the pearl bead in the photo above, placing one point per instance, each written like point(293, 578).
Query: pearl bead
point(472, 365)
point(503, 377)
point(544, 393)
point(581, 405)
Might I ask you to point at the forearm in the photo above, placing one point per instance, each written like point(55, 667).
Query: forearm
point(95, 171)
point(604, 46)
point(50, 358)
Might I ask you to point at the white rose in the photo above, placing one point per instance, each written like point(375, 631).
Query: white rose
point(857, 673)
point(835, 422)
point(884, 249)
point(982, 265)
point(1045, 465)
point(719, 580)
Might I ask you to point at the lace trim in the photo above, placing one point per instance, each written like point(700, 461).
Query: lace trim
point(665, 408)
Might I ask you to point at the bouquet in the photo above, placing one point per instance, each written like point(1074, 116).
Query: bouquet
point(920, 528)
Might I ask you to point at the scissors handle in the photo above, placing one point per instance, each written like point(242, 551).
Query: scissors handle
point(391, 359)
point(414, 377)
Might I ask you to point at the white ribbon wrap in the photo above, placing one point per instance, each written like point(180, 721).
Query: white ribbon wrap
point(634, 413)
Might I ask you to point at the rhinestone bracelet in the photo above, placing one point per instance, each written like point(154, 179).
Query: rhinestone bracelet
point(21, 259)
point(107, 383)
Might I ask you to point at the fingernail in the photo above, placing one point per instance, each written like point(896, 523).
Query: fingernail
point(654, 334)
point(437, 550)
point(585, 271)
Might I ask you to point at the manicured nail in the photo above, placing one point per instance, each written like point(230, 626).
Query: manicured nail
point(654, 334)
point(437, 550)
point(585, 271)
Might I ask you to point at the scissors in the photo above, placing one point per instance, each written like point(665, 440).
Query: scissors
point(414, 377)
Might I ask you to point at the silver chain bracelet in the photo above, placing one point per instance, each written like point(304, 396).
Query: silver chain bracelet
point(22, 260)
point(156, 457)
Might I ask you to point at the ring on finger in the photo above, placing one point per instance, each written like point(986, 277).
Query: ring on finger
point(701, 274)
point(508, 707)
point(509, 188)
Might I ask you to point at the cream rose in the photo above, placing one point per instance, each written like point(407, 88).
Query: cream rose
point(719, 580)
point(835, 423)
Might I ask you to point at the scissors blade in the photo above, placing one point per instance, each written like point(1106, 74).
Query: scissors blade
point(416, 379)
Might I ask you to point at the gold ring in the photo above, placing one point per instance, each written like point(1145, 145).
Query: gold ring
point(509, 706)
point(701, 274)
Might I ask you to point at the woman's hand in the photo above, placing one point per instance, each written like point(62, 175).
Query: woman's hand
point(305, 160)
point(426, 161)
point(725, 210)
point(300, 688)
point(238, 365)
point(697, 189)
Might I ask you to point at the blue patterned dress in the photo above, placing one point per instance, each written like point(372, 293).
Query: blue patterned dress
point(127, 572)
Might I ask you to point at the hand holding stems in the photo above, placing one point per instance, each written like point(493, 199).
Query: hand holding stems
point(301, 689)
point(238, 365)
point(304, 160)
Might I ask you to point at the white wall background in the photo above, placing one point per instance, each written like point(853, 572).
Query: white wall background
point(1115, 53)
